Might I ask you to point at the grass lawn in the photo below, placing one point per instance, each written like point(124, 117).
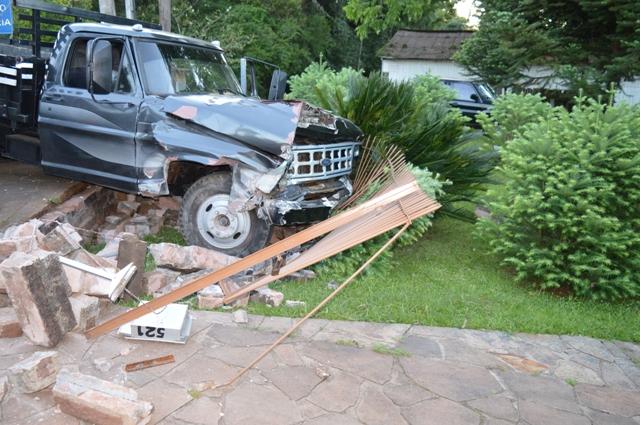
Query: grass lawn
point(448, 279)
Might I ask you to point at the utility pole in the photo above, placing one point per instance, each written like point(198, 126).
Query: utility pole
point(108, 7)
point(164, 7)
point(130, 9)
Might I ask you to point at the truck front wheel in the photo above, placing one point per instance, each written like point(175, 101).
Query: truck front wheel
point(206, 219)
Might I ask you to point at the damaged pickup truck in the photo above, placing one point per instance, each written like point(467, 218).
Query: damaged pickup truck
point(153, 113)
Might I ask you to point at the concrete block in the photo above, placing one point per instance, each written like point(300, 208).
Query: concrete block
point(133, 250)
point(39, 293)
point(86, 310)
point(35, 373)
point(99, 402)
point(9, 324)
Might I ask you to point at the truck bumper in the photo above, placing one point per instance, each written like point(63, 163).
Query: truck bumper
point(310, 203)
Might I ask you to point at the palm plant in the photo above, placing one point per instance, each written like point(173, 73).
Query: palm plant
point(432, 135)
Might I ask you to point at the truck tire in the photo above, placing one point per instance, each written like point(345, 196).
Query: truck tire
point(205, 219)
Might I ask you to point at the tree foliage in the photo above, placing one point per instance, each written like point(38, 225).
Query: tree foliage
point(376, 16)
point(567, 214)
point(586, 44)
point(511, 113)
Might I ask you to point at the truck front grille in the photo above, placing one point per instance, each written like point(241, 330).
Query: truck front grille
point(319, 162)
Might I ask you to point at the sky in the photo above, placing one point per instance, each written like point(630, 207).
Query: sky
point(466, 9)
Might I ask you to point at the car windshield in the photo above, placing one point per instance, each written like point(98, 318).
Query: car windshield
point(170, 69)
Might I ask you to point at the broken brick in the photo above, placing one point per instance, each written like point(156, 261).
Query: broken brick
point(188, 258)
point(128, 208)
point(26, 235)
point(63, 239)
point(208, 302)
point(39, 293)
point(133, 250)
point(35, 373)
point(86, 310)
point(4, 386)
point(267, 296)
point(169, 203)
point(99, 402)
point(9, 324)
point(158, 279)
point(7, 247)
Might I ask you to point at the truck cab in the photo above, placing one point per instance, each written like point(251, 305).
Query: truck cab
point(154, 113)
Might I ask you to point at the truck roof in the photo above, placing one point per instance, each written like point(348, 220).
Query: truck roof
point(138, 32)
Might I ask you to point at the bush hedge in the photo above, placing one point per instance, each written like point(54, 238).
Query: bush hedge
point(567, 215)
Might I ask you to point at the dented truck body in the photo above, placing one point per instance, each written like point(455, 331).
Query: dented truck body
point(172, 114)
point(261, 143)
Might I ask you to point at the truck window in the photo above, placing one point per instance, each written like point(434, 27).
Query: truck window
point(75, 74)
point(179, 69)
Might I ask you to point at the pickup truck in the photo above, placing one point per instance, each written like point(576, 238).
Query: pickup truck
point(153, 113)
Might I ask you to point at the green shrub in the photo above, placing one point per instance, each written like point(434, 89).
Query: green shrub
point(319, 77)
point(431, 133)
point(510, 113)
point(567, 216)
point(430, 90)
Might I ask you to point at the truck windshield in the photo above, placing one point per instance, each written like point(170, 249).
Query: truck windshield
point(170, 69)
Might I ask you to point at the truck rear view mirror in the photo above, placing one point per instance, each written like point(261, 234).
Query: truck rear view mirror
point(100, 66)
point(278, 85)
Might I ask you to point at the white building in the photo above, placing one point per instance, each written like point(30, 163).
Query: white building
point(410, 53)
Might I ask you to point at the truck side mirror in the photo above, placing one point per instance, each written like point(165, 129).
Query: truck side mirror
point(475, 98)
point(278, 85)
point(100, 66)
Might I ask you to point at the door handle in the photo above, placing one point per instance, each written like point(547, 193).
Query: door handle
point(53, 98)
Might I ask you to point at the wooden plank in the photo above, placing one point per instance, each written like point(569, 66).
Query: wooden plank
point(377, 203)
point(145, 364)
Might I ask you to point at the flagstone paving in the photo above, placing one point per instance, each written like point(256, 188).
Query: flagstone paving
point(335, 372)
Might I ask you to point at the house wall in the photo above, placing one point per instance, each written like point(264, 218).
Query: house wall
point(629, 92)
point(399, 70)
point(404, 69)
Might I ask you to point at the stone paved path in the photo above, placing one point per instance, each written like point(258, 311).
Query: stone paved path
point(344, 373)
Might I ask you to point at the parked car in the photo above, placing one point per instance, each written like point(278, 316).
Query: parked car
point(154, 113)
point(471, 97)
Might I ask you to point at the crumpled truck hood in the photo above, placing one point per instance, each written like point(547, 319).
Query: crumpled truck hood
point(266, 125)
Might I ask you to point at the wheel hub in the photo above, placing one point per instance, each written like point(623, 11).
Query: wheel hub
point(221, 227)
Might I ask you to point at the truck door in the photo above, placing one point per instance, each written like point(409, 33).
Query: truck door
point(91, 137)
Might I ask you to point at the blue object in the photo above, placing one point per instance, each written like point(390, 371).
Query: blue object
point(6, 17)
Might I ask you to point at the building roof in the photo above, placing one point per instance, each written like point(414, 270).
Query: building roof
point(431, 45)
